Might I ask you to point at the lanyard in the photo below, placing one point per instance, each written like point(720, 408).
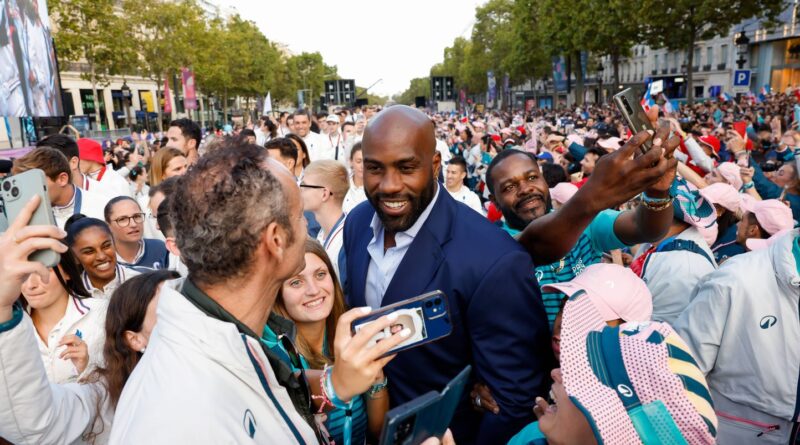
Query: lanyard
point(337, 228)
point(100, 175)
point(78, 201)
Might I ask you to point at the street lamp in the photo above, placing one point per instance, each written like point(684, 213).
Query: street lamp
point(741, 42)
point(600, 69)
point(126, 96)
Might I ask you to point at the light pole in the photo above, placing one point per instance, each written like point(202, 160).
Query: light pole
point(600, 69)
point(126, 99)
point(741, 42)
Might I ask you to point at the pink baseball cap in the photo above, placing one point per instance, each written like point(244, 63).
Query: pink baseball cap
point(573, 138)
point(731, 173)
point(723, 195)
point(615, 291)
point(563, 191)
point(612, 143)
point(639, 370)
point(90, 150)
point(773, 215)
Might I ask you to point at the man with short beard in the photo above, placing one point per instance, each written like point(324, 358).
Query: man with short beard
point(518, 189)
point(417, 239)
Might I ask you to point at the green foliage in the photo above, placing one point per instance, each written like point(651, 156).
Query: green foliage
point(420, 86)
point(685, 22)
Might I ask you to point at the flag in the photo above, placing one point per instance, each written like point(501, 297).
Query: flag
point(724, 97)
point(267, 105)
point(167, 96)
point(647, 100)
point(189, 95)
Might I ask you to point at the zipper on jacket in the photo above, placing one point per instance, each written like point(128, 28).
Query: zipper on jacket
point(764, 427)
point(263, 379)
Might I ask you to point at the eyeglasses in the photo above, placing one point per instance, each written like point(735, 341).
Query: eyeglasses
point(125, 221)
point(309, 186)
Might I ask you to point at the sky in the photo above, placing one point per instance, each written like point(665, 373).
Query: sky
point(367, 40)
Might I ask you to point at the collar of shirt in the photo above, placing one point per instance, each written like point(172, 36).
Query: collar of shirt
point(136, 259)
point(69, 204)
point(109, 288)
point(402, 239)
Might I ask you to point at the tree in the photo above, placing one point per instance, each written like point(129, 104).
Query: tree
point(305, 71)
point(681, 23)
point(614, 29)
point(528, 58)
point(164, 33)
point(90, 32)
point(420, 86)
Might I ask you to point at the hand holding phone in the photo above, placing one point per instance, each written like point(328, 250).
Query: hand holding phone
point(631, 108)
point(426, 317)
point(16, 192)
point(17, 244)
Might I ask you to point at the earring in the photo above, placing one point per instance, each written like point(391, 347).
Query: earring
point(143, 349)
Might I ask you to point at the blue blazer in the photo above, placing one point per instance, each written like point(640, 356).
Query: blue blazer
point(499, 322)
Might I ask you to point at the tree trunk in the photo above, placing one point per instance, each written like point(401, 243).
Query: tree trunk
point(579, 81)
point(225, 107)
point(569, 78)
point(690, 71)
point(96, 100)
point(615, 62)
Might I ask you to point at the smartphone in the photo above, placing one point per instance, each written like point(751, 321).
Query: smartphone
point(16, 191)
point(427, 416)
point(427, 316)
point(743, 160)
point(631, 108)
point(3, 219)
point(741, 128)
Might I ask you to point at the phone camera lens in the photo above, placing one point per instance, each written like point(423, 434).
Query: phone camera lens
point(437, 301)
point(6, 186)
point(14, 192)
point(428, 304)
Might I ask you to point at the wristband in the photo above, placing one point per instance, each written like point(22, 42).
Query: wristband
point(748, 185)
point(656, 204)
point(330, 392)
point(378, 387)
point(16, 317)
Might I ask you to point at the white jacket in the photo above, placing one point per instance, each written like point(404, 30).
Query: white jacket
point(743, 327)
point(35, 411)
point(87, 315)
point(203, 382)
point(671, 276)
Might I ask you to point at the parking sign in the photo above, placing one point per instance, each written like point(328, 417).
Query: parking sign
point(741, 81)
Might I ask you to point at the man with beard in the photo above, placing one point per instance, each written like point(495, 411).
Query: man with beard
point(519, 190)
point(417, 239)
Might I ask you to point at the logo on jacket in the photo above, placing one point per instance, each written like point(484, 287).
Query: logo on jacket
point(249, 423)
point(768, 321)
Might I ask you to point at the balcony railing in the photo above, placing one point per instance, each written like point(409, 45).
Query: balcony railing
point(721, 66)
point(706, 67)
point(673, 70)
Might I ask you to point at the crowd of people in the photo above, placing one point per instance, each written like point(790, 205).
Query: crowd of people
point(602, 291)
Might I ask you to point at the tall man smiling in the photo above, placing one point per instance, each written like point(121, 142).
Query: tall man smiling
point(408, 227)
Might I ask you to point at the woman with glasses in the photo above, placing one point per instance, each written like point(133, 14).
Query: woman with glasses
point(68, 324)
point(126, 220)
point(80, 413)
point(313, 301)
point(92, 243)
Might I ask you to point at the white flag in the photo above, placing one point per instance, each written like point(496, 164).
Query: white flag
point(267, 105)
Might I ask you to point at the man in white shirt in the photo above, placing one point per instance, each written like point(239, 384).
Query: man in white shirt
point(335, 137)
point(69, 148)
point(323, 189)
point(93, 165)
point(65, 198)
point(454, 182)
point(319, 147)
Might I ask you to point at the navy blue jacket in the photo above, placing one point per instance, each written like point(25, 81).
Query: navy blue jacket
point(499, 323)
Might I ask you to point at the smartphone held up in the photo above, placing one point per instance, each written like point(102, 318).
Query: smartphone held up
point(426, 317)
point(16, 191)
point(629, 104)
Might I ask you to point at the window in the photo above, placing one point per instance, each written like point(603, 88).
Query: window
point(677, 60)
point(709, 55)
point(723, 55)
point(696, 61)
point(655, 63)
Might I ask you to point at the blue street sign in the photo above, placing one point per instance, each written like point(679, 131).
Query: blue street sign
point(741, 79)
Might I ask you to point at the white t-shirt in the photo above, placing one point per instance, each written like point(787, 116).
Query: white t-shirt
point(333, 243)
point(111, 182)
point(83, 201)
point(87, 315)
point(468, 197)
point(319, 147)
point(355, 196)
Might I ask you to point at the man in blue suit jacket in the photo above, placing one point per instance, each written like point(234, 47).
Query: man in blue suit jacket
point(411, 238)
